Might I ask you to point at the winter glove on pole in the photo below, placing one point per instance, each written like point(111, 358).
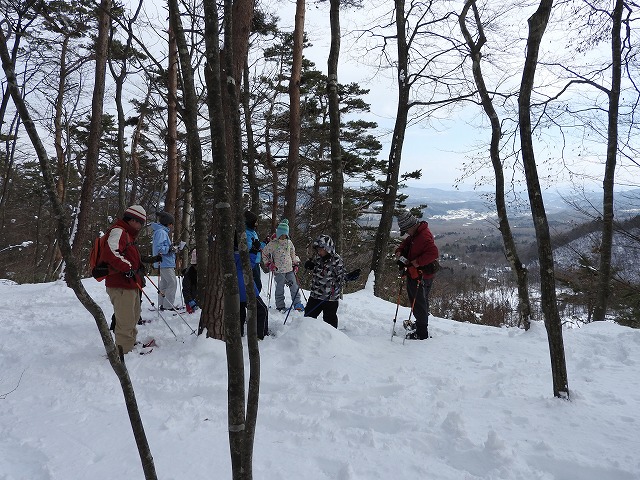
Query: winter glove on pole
point(309, 264)
point(130, 274)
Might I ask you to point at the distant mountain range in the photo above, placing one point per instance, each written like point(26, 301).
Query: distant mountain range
point(479, 205)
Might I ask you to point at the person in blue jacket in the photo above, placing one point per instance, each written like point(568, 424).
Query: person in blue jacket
point(255, 246)
point(262, 314)
point(162, 246)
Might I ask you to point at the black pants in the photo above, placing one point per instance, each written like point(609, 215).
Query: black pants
point(262, 317)
point(257, 277)
point(329, 309)
point(419, 290)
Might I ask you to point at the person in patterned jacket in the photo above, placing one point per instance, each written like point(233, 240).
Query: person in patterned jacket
point(328, 278)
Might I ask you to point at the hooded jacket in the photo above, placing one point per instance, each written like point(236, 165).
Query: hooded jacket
point(327, 277)
point(420, 247)
point(161, 244)
point(122, 255)
point(282, 254)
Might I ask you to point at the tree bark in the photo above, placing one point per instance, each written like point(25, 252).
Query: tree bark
point(172, 127)
point(537, 25)
point(337, 180)
point(224, 212)
point(511, 252)
point(395, 153)
point(194, 151)
point(254, 191)
point(606, 245)
point(293, 164)
point(95, 128)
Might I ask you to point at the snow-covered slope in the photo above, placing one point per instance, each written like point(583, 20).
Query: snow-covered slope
point(473, 402)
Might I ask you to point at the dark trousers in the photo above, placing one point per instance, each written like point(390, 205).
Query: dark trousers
point(419, 290)
point(329, 309)
point(262, 317)
point(257, 277)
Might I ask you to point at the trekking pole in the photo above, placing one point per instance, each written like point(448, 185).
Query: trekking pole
point(269, 291)
point(153, 305)
point(289, 311)
point(393, 329)
point(172, 305)
point(412, 305)
point(298, 282)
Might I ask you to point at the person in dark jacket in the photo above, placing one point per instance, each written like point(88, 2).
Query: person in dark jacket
point(417, 256)
point(124, 283)
point(327, 281)
point(190, 284)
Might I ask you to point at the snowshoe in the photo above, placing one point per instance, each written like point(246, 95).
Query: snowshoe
point(414, 336)
point(147, 347)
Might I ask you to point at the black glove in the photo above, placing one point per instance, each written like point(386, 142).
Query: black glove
point(130, 274)
point(150, 259)
point(351, 276)
point(309, 264)
point(255, 246)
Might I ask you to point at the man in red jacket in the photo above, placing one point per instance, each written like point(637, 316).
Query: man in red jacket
point(417, 255)
point(125, 275)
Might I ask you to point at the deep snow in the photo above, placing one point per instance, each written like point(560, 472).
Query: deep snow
point(473, 402)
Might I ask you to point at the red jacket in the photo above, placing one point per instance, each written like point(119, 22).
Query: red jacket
point(122, 255)
point(419, 247)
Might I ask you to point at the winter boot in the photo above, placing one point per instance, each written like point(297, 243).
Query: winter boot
point(299, 307)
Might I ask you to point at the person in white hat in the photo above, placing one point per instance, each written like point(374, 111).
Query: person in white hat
point(126, 277)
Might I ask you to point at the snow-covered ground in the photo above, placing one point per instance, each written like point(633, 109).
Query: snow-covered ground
point(473, 402)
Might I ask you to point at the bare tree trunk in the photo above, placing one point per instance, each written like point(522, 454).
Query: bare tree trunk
point(395, 154)
point(475, 48)
point(604, 272)
point(337, 180)
point(537, 25)
point(293, 164)
point(254, 191)
point(172, 126)
point(73, 270)
point(134, 171)
point(10, 147)
point(194, 149)
point(224, 236)
point(119, 78)
point(57, 120)
point(95, 128)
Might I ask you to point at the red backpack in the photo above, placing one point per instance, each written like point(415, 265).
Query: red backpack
point(99, 269)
